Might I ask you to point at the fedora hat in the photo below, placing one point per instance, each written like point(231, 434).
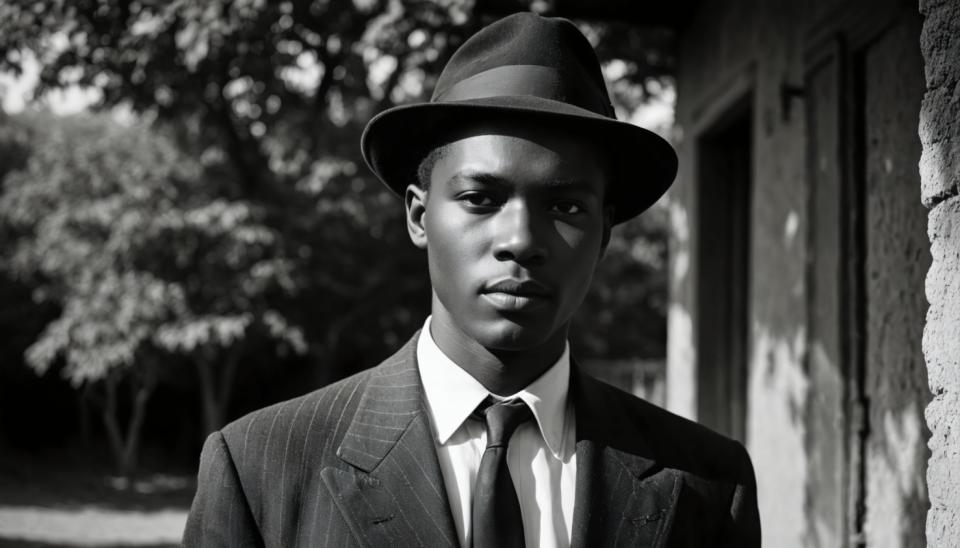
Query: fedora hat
point(530, 69)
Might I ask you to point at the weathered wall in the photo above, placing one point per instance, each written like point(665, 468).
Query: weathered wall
point(940, 177)
point(797, 416)
point(721, 57)
point(897, 258)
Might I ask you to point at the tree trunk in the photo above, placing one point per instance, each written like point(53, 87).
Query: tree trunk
point(215, 393)
point(108, 412)
point(125, 447)
point(140, 392)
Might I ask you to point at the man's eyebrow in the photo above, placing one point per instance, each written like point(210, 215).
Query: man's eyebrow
point(481, 177)
point(489, 179)
point(578, 185)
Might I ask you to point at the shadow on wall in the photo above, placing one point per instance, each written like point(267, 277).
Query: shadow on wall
point(779, 389)
point(897, 464)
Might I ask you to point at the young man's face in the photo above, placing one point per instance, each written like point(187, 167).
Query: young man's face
point(514, 223)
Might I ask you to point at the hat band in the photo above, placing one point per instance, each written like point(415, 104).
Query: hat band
point(533, 80)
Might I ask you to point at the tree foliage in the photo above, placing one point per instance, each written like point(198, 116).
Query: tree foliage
point(115, 225)
point(270, 99)
point(251, 217)
point(269, 88)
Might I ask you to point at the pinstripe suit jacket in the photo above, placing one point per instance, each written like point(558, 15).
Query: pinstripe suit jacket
point(354, 464)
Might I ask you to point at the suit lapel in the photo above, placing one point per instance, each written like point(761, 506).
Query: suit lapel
point(396, 493)
point(623, 497)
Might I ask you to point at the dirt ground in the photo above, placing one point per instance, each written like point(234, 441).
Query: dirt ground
point(72, 499)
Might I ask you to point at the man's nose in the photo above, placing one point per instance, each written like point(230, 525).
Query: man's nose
point(519, 235)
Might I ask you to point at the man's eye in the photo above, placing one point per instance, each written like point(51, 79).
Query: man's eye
point(567, 208)
point(477, 199)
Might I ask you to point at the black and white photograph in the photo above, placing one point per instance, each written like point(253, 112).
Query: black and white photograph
point(480, 273)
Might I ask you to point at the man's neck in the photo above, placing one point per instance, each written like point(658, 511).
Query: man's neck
point(501, 372)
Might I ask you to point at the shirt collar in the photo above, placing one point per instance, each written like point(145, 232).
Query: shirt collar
point(452, 394)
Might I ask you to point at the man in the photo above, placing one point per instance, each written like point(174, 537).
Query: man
point(482, 431)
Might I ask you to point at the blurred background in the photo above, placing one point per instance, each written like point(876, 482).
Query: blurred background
point(189, 233)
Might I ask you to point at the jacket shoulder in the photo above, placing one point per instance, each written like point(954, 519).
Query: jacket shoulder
point(717, 476)
point(283, 435)
point(678, 442)
point(327, 410)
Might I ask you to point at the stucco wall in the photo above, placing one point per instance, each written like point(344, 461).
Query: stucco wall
point(798, 417)
point(896, 261)
point(940, 173)
point(720, 53)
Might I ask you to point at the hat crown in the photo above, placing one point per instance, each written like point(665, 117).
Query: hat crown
point(526, 54)
point(524, 69)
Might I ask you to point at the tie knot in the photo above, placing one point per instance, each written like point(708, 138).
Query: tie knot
point(502, 419)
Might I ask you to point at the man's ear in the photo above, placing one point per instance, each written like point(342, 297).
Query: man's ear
point(607, 228)
point(415, 201)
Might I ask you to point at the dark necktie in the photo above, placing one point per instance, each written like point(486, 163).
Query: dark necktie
point(496, 509)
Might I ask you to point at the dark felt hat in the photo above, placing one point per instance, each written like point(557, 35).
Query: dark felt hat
point(529, 68)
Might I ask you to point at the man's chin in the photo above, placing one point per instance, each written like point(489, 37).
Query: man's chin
point(513, 334)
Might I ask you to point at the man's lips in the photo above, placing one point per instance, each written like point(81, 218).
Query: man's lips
point(513, 295)
point(519, 288)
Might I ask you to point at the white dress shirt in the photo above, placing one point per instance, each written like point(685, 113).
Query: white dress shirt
point(541, 455)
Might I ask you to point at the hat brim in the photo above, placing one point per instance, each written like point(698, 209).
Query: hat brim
point(396, 141)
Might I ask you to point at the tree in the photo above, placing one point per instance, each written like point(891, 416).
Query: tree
point(114, 224)
point(270, 99)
